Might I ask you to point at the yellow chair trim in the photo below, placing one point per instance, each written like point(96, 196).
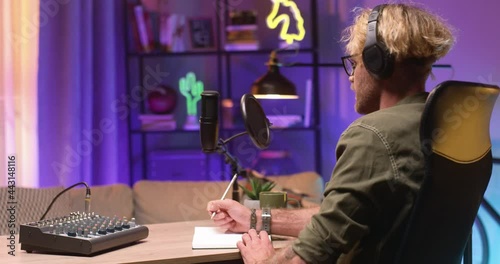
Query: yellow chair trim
point(462, 123)
point(462, 161)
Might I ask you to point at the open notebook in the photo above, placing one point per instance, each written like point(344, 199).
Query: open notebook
point(214, 237)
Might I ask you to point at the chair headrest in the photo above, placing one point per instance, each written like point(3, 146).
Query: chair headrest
point(461, 113)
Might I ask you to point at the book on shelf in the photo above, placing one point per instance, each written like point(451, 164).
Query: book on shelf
point(252, 28)
point(241, 33)
point(141, 27)
point(241, 40)
point(157, 122)
point(171, 37)
point(241, 46)
point(133, 27)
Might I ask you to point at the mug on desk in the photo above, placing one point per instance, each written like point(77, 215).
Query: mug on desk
point(274, 199)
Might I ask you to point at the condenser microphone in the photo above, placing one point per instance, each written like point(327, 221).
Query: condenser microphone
point(209, 121)
point(87, 201)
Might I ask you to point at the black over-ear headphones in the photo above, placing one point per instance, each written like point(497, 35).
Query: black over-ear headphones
point(376, 57)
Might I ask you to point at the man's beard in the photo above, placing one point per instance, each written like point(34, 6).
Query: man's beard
point(367, 101)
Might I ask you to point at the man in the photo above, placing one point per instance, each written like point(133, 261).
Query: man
point(379, 165)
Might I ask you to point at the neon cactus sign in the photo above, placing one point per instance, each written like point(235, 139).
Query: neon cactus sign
point(191, 89)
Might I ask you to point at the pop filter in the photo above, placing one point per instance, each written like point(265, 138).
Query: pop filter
point(256, 122)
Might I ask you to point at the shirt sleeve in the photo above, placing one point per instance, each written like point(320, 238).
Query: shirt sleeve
point(363, 172)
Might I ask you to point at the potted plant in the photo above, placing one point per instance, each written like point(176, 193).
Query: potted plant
point(253, 189)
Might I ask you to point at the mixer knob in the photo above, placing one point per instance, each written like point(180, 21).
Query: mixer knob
point(110, 229)
point(102, 231)
point(132, 222)
point(125, 224)
point(72, 232)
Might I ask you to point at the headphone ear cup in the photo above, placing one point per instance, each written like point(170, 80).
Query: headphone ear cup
point(378, 60)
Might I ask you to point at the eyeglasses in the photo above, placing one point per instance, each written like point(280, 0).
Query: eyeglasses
point(349, 64)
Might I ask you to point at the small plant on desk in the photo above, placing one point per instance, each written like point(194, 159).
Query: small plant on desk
point(255, 186)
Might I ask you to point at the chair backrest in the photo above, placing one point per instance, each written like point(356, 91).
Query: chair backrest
point(455, 139)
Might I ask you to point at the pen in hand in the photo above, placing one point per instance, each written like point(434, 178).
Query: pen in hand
point(225, 192)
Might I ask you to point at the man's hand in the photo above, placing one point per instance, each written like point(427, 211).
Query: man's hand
point(255, 248)
point(230, 215)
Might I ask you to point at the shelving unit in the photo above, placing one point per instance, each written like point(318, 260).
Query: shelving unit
point(218, 68)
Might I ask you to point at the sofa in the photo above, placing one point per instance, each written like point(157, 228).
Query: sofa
point(147, 201)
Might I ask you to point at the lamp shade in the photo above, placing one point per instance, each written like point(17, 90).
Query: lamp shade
point(273, 85)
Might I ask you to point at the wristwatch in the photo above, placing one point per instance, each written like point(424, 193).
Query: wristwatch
point(266, 220)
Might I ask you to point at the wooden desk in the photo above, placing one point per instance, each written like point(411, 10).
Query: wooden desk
point(166, 243)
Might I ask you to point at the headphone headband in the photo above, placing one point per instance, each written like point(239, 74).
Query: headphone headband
point(376, 56)
point(371, 33)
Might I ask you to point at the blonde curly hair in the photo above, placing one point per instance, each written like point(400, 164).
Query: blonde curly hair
point(408, 31)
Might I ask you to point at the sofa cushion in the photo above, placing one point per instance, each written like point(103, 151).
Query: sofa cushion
point(308, 183)
point(107, 200)
point(174, 201)
point(30, 205)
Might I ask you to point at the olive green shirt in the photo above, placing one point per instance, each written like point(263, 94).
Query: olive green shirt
point(367, 201)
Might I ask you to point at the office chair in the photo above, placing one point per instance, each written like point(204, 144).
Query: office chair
point(455, 140)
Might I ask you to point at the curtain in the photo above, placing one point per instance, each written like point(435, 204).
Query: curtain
point(18, 91)
point(81, 77)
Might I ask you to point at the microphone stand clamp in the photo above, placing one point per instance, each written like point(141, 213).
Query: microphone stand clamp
point(233, 162)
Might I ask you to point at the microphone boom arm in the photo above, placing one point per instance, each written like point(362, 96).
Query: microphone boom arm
point(236, 168)
point(257, 126)
point(223, 142)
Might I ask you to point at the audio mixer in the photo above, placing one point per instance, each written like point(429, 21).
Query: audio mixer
point(80, 234)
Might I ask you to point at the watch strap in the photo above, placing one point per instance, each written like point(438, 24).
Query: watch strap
point(253, 219)
point(266, 220)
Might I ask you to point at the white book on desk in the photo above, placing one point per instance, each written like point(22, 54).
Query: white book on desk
point(214, 237)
